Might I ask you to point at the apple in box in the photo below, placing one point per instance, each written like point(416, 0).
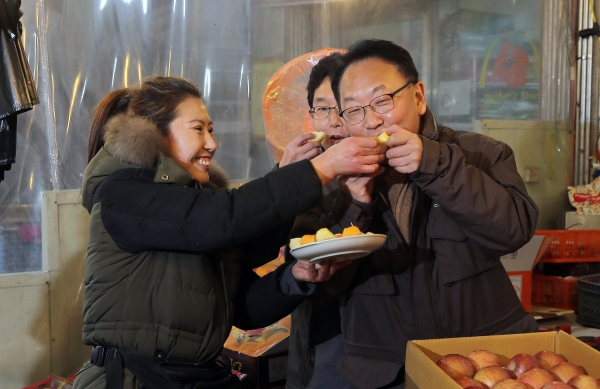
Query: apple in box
point(536, 378)
point(456, 366)
point(584, 382)
point(489, 375)
point(467, 382)
point(548, 359)
point(557, 385)
point(483, 358)
point(521, 363)
point(567, 370)
point(509, 384)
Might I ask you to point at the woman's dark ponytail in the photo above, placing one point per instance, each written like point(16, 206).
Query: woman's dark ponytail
point(114, 103)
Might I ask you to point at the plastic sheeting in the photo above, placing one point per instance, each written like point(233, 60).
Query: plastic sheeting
point(285, 107)
point(80, 50)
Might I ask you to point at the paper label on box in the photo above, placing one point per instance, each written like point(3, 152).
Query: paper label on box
point(524, 258)
point(278, 368)
point(517, 282)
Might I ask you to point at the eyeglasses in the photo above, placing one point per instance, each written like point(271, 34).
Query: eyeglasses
point(380, 104)
point(320, 113)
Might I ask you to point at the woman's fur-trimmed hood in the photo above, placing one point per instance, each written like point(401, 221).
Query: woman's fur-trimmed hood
point(134, 140)
point(138, 141)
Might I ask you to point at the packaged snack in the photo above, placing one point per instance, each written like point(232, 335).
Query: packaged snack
point(586, 198)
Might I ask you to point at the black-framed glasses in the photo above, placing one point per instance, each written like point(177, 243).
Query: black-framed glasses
point(320, 113)
point(380, 104)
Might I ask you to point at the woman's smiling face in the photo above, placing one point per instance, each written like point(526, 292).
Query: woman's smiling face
point(191, 140)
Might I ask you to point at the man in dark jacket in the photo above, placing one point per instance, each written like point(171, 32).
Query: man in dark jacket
point(450, 202)
point(315, 340)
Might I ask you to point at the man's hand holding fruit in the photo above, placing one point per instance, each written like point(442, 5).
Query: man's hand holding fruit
point(405, 150)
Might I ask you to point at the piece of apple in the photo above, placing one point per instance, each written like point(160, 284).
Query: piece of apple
point(295, 242)
point(324, 234)
point(382, 138)
point(319, 136)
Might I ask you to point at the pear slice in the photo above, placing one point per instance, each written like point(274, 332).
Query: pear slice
point(324, 234)
point(382, 138)
point(295, 242)
point(319, 136)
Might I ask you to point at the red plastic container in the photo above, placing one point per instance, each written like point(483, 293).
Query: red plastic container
point(572, 246)
point(556, 292)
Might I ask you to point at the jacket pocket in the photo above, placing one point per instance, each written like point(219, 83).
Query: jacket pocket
point(456, 257)
point(439, 226)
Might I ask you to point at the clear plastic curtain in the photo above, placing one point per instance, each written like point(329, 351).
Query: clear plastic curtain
point(81, 50)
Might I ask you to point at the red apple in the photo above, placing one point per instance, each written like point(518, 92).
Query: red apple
point(548, 359)
point(456, 366)
point(520, 363)
point(467, 382)
point(567, 370)
point(483, 358)
point(557, 385)
point(536, 378)
point(584, 382)
point(509, 384)
point(489, 375)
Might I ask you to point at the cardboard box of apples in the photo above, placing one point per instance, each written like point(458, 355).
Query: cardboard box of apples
point(442, 363)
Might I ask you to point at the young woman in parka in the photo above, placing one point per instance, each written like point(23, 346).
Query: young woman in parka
point(170, 254)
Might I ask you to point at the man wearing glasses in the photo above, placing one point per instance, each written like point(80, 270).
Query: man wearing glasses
point(450, 202)
point(315, 343)
point(324, 112)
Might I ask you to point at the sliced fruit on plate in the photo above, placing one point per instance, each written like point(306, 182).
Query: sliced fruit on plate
point(324, 234)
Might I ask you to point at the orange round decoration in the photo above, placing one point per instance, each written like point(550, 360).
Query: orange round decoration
point(285, 108)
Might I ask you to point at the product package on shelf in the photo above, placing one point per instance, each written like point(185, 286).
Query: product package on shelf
point(586, 198)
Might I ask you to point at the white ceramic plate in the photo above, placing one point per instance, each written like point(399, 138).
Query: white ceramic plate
point(345, 248)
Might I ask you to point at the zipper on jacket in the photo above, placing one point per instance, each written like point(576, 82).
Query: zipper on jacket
point(225, 294)
point(432, 293)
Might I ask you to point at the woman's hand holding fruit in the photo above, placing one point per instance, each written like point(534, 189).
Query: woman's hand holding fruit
point(304, 146)
point(352, 156)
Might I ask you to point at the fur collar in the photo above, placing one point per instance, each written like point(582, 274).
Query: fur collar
point(135, 140)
